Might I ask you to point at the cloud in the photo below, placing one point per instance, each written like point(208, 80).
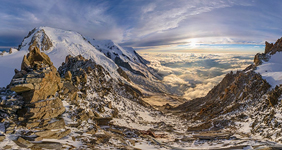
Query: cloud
point(149, 24)
point(194, 74)
point(87, 17)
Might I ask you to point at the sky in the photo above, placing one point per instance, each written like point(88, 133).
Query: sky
point(151, 25)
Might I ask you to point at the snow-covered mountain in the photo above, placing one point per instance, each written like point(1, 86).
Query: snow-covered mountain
point(58, 43)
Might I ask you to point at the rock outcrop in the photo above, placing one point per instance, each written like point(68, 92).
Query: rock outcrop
point(38, 83)
point(270, 49)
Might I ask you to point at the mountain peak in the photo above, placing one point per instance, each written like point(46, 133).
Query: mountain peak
point(271, 48)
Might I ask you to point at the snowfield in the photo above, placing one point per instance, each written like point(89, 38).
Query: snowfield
point(8, 63)
point(271, 70)
point(64, 43)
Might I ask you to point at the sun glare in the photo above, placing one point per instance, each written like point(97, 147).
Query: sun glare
point(193, 43)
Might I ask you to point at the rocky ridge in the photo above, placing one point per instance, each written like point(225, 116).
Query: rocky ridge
point(242, 104)
point(80, 105)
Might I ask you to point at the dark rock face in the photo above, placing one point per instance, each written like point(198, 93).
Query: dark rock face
point(141, 59)
point(270, 49)
point(41, 40)
point(274, 95)
point(277, 47)
point(123, 74)
point(121, 63)
point(260, 57)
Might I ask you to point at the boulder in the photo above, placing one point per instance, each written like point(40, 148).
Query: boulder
point(103, 121)
point(23, 143)
point(68, 76)
point(47, 145)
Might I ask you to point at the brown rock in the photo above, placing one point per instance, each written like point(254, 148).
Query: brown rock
point(101, 109)
point(38, 90)
point(84, 78)
point(60, 124)
point(67, 58)
point(68, 76)
point(23, 143)
point(10, 51)
point(22, 88)
point(25, 63)
point(268, 47)
point(60, 134)
point(2, 138)
point(46, 133)
point(47, 145)
point(115, 112)
point(35, 56)
point(77, 80)
point(103, 121)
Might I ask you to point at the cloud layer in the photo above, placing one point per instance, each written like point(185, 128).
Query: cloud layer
point(148, 24)
point(194, 74)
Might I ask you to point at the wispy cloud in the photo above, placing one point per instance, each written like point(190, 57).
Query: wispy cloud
point(147, 23)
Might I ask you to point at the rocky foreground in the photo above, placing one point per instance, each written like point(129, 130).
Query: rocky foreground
point(80, 105)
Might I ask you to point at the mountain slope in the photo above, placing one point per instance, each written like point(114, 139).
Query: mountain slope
point(124, 64)
point(81, 106)
point(246, 103)
point(65, 43)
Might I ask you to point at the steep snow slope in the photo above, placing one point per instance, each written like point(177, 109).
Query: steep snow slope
point(57, 44)
point(271, 70)
point(63, 43)
point(133, 64)
point(69, 43)
point(8, 63)
point(113, 50)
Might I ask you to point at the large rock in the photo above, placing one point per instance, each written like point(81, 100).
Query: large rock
point(23, 143)
point(37, 85)
point(35, 58)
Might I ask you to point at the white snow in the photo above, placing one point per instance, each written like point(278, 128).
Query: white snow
point(8, 63)
point(64, 43)
point(271, 71)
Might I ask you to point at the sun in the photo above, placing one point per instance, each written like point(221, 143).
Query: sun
point(193, 43)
